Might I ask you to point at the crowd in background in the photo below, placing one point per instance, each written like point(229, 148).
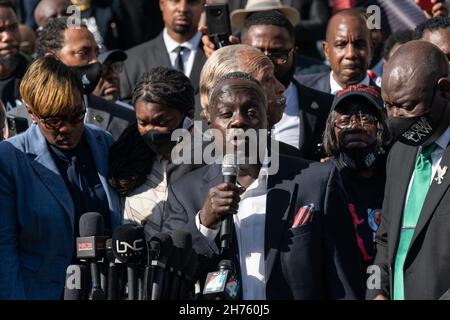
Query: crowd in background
point(355, 101)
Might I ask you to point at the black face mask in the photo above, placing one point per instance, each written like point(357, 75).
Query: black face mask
point(90, 76)
point(360, 158)
point(413, 131)
point(159, 142)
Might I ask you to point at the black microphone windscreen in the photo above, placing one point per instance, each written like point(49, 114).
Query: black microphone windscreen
point(191, 267)
point(226, 265)
point(128, 243)
point(182, 243)
point(165, 244)
point(91, 224)
point(229, 165)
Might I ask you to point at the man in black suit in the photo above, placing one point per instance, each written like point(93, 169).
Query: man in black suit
point(304, 118)
point(276, 255)
point(348, 48)
point(178, 46)
point(412, 240)
point(77, 48)
point(12, 63)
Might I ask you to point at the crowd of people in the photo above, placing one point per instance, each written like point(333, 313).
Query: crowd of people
point(338, 130)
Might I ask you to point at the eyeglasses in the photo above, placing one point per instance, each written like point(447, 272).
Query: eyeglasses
point(54, 123)
point(279, 57)
point(363, 119)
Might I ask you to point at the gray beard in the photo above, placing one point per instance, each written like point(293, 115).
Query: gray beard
point(10, 62)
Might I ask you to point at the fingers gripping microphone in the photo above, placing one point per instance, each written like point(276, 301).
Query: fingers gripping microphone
point(229, 172)
point(128, 246)
point(91, 246)
point(182, 242)
point(161, 248)
point(187, 286)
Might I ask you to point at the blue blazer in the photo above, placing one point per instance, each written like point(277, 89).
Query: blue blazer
point(37, 214)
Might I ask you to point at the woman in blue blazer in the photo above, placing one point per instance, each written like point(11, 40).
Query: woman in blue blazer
point(49, 176)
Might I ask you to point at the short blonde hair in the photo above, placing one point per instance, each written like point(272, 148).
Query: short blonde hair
point(239, 57)
point(49, 88)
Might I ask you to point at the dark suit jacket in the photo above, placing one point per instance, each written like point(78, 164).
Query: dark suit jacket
point(427, 264)
point(320, 81)
point(153, 54)
point(314, 109)
point(104, 114)
point(109, 116)
point(294, 259)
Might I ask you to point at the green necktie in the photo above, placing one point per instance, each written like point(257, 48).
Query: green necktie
point(416, 198)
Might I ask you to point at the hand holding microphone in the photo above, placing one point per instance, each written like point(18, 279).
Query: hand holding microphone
point(222, 201)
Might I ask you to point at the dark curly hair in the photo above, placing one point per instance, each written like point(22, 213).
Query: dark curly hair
point(429, 25)
point(267, 18)
point(130, 159)
point(51, 37)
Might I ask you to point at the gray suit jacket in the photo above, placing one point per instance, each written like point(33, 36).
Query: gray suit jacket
point(151, 54)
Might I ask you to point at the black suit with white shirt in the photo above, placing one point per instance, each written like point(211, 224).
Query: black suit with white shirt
point(294, 258)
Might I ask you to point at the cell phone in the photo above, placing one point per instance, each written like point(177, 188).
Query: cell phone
point(218, 23)
point(426, 5)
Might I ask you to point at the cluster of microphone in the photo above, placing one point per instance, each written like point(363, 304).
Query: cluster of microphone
point(125, 266)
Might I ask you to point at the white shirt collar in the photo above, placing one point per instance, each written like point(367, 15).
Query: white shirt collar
point(336, 87)
point(444, 139)
point(171, 44)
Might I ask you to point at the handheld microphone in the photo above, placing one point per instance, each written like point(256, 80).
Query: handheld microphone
point(161, 247)
point(222, 284)
point(229, 172)
point(77, 282)
point(128, 242)
point(187, 286)
point(182, 243)
point(91, 246)
point(112, 283)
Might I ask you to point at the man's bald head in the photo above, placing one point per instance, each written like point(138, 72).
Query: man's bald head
point(348, 14)
point(416, 91)
point(49, 9)
point(348, 47)
point(416, 64)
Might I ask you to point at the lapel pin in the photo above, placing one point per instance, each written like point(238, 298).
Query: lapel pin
point(441, 171)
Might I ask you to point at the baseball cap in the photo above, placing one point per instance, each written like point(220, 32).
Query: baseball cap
point(114, 55)
point(370, 93)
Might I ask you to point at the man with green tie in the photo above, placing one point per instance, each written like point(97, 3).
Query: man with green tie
point(413, 240)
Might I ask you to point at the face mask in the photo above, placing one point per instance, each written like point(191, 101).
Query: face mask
point(90, 76)
point(159, 142)
point(413, 131)
point(360, 158)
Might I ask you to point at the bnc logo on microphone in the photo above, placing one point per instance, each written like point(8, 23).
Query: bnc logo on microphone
point(126, 249)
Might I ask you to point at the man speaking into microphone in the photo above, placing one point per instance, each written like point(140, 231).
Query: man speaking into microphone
point(274, 259)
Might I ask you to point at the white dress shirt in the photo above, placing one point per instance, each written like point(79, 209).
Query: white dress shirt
point(436, 158)
point(336, 87)
point(249, 224)
point(287, 130)
point(188, 56)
